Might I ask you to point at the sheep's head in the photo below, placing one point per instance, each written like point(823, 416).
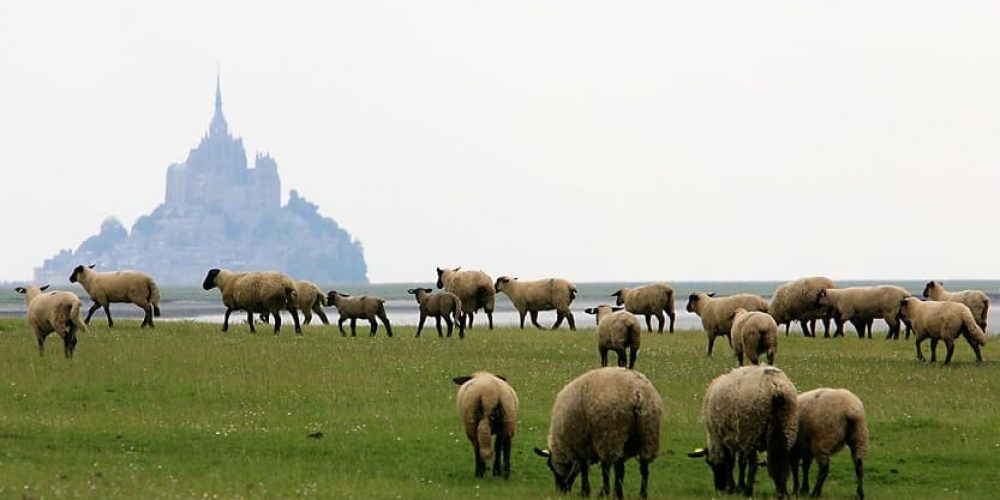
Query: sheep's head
point(502, 283)
point(441, 274)
point(736, 312)
point(722, 471)
point(209, 282)
point(564, 472)
point(694, 301)
point(823, 298)
point(601, 311)
point(332, 295)
point(620, 294)
point(903, 306)
point(930, 286)
point(79, 270)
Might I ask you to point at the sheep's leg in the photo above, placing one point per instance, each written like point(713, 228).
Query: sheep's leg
point(672, 316)
point(506, 454)
point(471, 317)
point(437, 323)
point(659, 322)
point(741, 461)
point(633, 353)
point(522, 313)
point(711, 343)
point(621, 357)
point(859, 472)
point(295, 319)
point(385, 321)
point(68, 342)
point(489, 317)
point(354, 324)
point(319, 312)
point(975, 348)
point(859, 325)
point(420, 324)
point(605, 480)
point(934, 344)
point(795, 475)
point(447, 321)
point(225, 320)
point(826, 327)
point(374, 326)
point(534, 320)
point(920, 353)
point(751, 473)
point(571, 320)
point(839, 322)
point(497, 454)
point(604, 356)
point(619, 478)
point(147, 316)
point(41, 344)
point(480, 463)
point(893, 330)
point(559, 320)
point(584, 478)
point(340, 325)
point(277, 321)
point(107, 312)
point(806, 464)
point(93, 307)
point(870, 325)
point(805, 327)
point(752, 356)
point(950, 344)
point(770, 356)
point(250, 320)
point(824, 470)
point(461, 325)
point(739, 358)
point(649, 323)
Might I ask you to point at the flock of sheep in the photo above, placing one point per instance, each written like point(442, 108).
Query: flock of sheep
point(607, 415)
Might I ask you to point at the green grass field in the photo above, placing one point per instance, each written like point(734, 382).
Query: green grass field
point(186, 411)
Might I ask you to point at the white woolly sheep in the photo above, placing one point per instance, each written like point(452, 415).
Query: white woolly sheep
point(606, 415)
point(717, 313)
point(746, 409)
point(649, 300)
point(439, 305)
point(862, 305)
point(754, 333)
point(473, 288)
point(540, 295)
point(977, 300)
point(353, 308)
point(797, 301)
point(828, 420)
point(118, 286)
point(53, 312)
point(310, 299)
point(255, 292)
point(942, 321)
point(618, 331)
point(487, 405)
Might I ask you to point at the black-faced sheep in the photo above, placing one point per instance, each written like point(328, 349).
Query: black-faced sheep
point(255, 292)
point(942, 321)
point(977, 300)
point(487, 405)
point(606, 415)
point(862, 305)
point(118, 286)
point(717, 313)
point(439, 305)
point(754, 333)
point(57, 312)
point(617, 331)
point(473, 288)
point(359, 307)
point(540, 295)
point(745, 410)
point(649, 300)
point(797, 301)
point(828, 420)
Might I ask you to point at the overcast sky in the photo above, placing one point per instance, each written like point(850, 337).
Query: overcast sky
point(595, 141)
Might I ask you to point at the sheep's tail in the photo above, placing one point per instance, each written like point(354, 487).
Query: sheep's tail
point(784, 430)
point(857, 435)
point(154, 298)
point(976, 334)
point(490, 409)
point(321, 299)
point(572, 293)
point(74, 316)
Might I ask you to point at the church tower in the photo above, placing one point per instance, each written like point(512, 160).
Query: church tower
point(218, 126)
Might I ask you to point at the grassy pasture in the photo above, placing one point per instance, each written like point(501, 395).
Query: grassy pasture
point(186, 411)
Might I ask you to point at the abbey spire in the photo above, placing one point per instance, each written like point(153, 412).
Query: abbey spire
point(218, 125)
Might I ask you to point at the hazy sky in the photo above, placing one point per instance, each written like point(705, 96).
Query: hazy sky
point(589, 140)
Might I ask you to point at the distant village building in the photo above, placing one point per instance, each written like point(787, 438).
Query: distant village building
point(220, 213)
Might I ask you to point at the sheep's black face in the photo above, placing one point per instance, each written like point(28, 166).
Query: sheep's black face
point(692, 300)
point(209, 282)
point(440, 283)
point(566, 478)
point(620, 298)
point(76, 273)
point(503, 280)
point(927, 289)
point(722, 476)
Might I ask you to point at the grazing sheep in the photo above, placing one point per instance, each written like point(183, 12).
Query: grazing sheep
point(829, 419)
point(606, 415)
point(942, 321)
point(487, 405)
point(255, 292)
point(796, 301)
point(473, 288)
point(354, 308)
point(749, 408)
point(53, 312)
point(717, 313)
point(540, 295)
point(977, 300)
point(439, 305)
point(118, 286)
point(617, 331)
point(310, 299)
point(754, 333)
point(862, 305)
point(649, 300)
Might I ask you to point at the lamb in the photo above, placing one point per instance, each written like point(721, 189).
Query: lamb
point(829, 419)
point(53, 312)
point(749, 408)
point(796, 301)
point(754, 333)
point(310, 299)
point(354, 308)
point(617, 330)
point(255, 292)
point(473, 288)
point(942, 321)
point(118, 286)
point(862, 305)
point(606, 415)
point(717, 313)
point(649, 300)
point(540, 295)
point(977, 300)
point(487, 405)
point(439, 305)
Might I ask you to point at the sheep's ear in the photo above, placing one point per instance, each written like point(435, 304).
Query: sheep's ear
point(411, 291)
point(457, 268)
point(461, 380)
point(21, 290)
point(92, 266)
point(543, 453)
point(711, 294)
point(698, 453)
point(616, 294)
point(501, 377)
point(590, 310)
point(44, 287)
point(343, 294)
point(616, 309)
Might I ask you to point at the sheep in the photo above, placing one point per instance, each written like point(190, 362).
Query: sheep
point(487, 405)
point(473, 288)
point(749, 408)
point(942, 321)
point(828, 420)
point(53, 312)
point(649, 300)
point(617, 330)
point(118, 286)
point(977, 300)
point(354, 308)
point(310, 299)
point(439, 305)
point(754, 333)
point(796, 301)
point(861, 305)
point(606, 415)
point(255, 292)
point(540, 295)
point(717, 313)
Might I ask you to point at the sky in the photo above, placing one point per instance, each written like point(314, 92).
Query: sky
point(595, 141)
